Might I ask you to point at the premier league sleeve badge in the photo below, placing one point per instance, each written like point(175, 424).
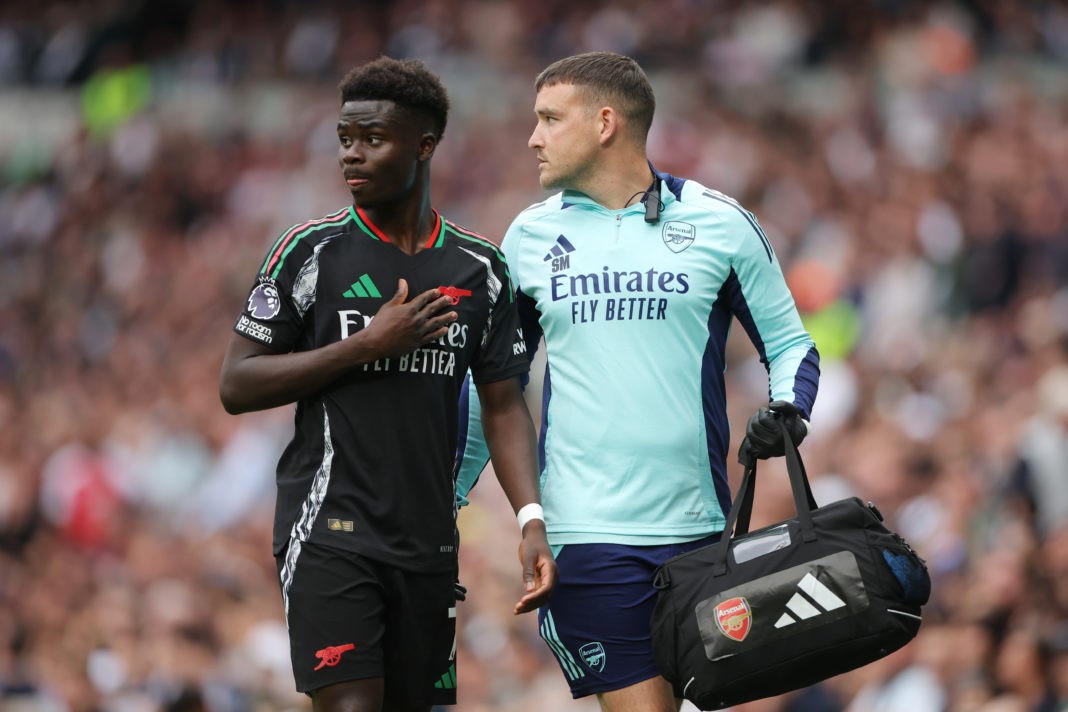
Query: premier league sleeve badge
point(264, 301)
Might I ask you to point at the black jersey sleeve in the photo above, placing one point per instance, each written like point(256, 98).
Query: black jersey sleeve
point(529, 322)
point(280, 298)
point(503, 353)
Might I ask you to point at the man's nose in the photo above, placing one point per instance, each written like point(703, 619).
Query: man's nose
point(352, 154)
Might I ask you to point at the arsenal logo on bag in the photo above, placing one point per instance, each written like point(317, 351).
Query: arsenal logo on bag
point(732, 617)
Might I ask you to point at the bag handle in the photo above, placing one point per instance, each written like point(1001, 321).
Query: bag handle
point(803, 499)
point(742, 511)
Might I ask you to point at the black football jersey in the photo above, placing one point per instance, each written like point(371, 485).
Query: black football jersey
point(370, 465)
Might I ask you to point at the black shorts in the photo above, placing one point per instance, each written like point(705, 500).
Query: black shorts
point(352, 618)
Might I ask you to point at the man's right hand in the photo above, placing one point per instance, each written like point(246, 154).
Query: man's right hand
point(763, 438)
point(539, 567)
point(400, 327)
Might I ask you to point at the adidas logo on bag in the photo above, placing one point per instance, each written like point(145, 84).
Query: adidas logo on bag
point(812, 599)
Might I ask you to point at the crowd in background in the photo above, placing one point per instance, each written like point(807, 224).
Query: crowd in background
point(908, 160)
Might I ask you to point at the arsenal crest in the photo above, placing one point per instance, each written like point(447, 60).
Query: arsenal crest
point(678, 235)
point(593, 654)
point(734, 618)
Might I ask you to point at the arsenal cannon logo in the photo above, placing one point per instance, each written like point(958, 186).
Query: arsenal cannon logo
point(734, 618)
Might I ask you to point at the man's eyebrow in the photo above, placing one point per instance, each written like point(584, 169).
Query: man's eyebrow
point(368, 124)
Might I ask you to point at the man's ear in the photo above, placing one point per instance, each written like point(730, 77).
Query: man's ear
point(428, 142)
point(608, 124)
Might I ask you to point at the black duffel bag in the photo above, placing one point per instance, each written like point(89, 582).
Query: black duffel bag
point(765, 612)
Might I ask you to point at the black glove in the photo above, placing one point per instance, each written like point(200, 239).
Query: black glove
point(763, 438)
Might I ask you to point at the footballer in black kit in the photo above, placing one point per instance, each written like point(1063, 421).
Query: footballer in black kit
point(369, 319)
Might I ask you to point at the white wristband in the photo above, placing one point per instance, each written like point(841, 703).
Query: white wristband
point(528, 512)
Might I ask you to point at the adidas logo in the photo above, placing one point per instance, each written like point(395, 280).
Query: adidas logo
point(448, 680)
point(812, 599)
point(560, 254)
point(362, 287)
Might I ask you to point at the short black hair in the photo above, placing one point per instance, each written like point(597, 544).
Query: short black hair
point(406, 82)
point(608, 78)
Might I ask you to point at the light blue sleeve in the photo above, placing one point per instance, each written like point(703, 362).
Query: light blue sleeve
point(472, 455)
point(769, 315)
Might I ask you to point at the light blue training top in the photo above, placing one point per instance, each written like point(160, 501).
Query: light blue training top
point(635, 317)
